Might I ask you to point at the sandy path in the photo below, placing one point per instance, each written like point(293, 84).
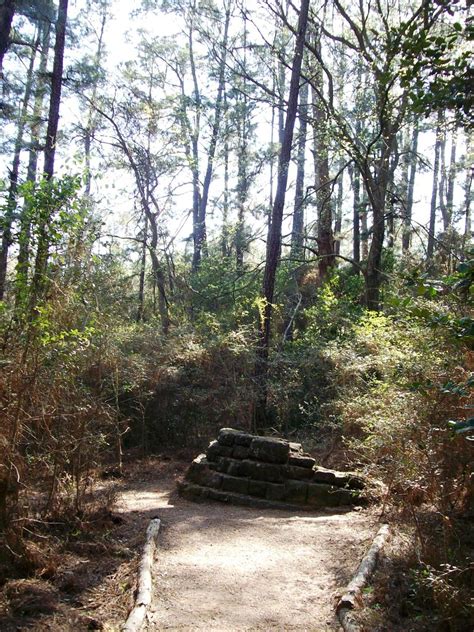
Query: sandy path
point(226, 568)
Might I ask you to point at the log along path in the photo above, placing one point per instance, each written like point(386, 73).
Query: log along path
point(229, 568)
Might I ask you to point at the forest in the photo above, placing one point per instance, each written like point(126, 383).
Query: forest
point(253, 214)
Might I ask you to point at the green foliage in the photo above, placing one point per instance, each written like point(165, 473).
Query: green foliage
point(435, 64)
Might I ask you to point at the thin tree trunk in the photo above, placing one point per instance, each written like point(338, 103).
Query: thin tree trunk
point(42, 252)
point(225, 207)
point(451, 181)
point(12, 191)
point(242, 165)
point(200, 237)
point(468, 195)
point(141, 284)
point(355, 178)
point(297, 251)
point(325, 235)
point(158, 271)
point(338, 218)
point(23, 261)
point(272, 157)
point(297, 232)
point(434, 190)
point(274, 237)
point(364, 225)
point(56, 88)
point(91, 119)
point(443, 180)
point(406, 238)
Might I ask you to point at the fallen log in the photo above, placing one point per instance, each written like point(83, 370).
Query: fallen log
point(352, 596)
point(137, 615)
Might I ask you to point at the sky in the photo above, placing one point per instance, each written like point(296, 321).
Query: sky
point(114, 190)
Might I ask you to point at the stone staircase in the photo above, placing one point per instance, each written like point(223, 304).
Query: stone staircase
point(244, 469)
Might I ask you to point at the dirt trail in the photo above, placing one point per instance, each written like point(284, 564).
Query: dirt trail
point(226, 568)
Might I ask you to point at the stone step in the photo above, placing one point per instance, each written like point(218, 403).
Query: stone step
point(200, 493)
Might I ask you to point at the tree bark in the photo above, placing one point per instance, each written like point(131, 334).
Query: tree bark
point(412, 164)
point(297, 232)
point(434, 190)
point(14, 172)
point(355, 179)
point(7, 11)
point(338, 217)
point(325, 235)
point(468, 195)
point(451, 182)
point(91, 125)
point(274, 236)
point(56, 88)
point(242, 164)
point(141, 283)
point(23, 261)
point(200, 232)
point(42, 251)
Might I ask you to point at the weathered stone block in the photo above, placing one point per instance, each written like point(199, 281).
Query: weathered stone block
point(235, 484)
point(193, 492)
point(339, 479)
point(258, 488)
point(299, 473)
point(236, 468)
point(215, 450)
point(270, 472)
point(244, 439)
point(200, 473)
point(296, 491)
point(227, 436)
point(240, 452)
point(269, 450)
point(295, 448)
point(275, 492)
point(301, 460)
point(223, 464)
point(322, 495)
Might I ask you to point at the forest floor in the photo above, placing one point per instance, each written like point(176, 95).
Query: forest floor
point(217, 567)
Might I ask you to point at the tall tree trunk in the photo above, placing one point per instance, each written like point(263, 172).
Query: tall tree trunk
point(297, 250)
point(364, 226)
point(338, 217)
point(412, 164)
point(42, 251)
point(434, 190)
point(325, 235)
point(56, 88)
point(226, 204)
point(377, 184)
point(442, 186)
point(468, 195)
point(7, 11)
point(14, 172)
point(451, 182)
point(141, 284)
point(274, 236)
point(200, 233)
point(91, 125)
point(158, 271)
point(297, 232)
point(36, 125)
point(355, 178)
point(242, 164)
point(374, 261)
